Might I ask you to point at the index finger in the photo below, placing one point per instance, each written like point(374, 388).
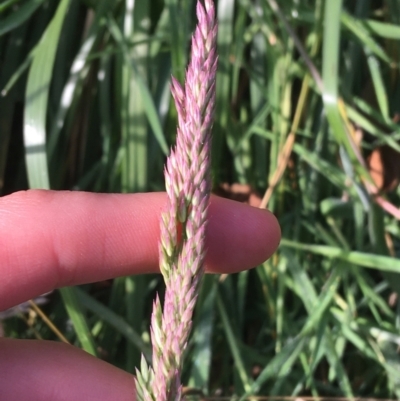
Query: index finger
point(51, 239)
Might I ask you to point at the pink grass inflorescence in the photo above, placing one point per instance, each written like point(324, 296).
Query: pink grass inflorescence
point(183, 224)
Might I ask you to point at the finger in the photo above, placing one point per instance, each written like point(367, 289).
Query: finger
point(44, 370)
point(53, 239)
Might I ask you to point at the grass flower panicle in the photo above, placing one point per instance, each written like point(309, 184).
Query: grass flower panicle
point(183, 224)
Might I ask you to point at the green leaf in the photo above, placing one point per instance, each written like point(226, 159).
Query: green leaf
point(358, 29)
point(18, 16)
point(370, 260)
point(201, 356)
point(36, 101)
point(234, 346)
point(78, 319)
point(117, 322)
point(383, 29)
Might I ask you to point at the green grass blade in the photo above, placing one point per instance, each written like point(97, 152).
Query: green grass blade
point(383, 29)
point(201, 356)
point(234, 347)
point(19, 16)
point(330, 70)
point(372, 261)
point(78, 319)
point(179, 28)
point(13, 54)
point(114, 320)
point(36, 101)
point(6, 4)
point(78, 72)
point(379, 86)
point(289, 352)
point(225, 14)
point(357, 28)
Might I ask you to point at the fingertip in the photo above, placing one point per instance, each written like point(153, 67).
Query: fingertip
point(253, 236)
point(45, 370)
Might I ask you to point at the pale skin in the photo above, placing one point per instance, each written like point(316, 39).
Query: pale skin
point(53, 239)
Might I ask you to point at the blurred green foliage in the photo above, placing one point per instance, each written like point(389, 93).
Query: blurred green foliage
point(85, 105)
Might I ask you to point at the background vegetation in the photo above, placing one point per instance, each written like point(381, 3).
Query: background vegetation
point(308, 98)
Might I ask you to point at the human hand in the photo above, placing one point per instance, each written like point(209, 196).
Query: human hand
point(53, 239)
